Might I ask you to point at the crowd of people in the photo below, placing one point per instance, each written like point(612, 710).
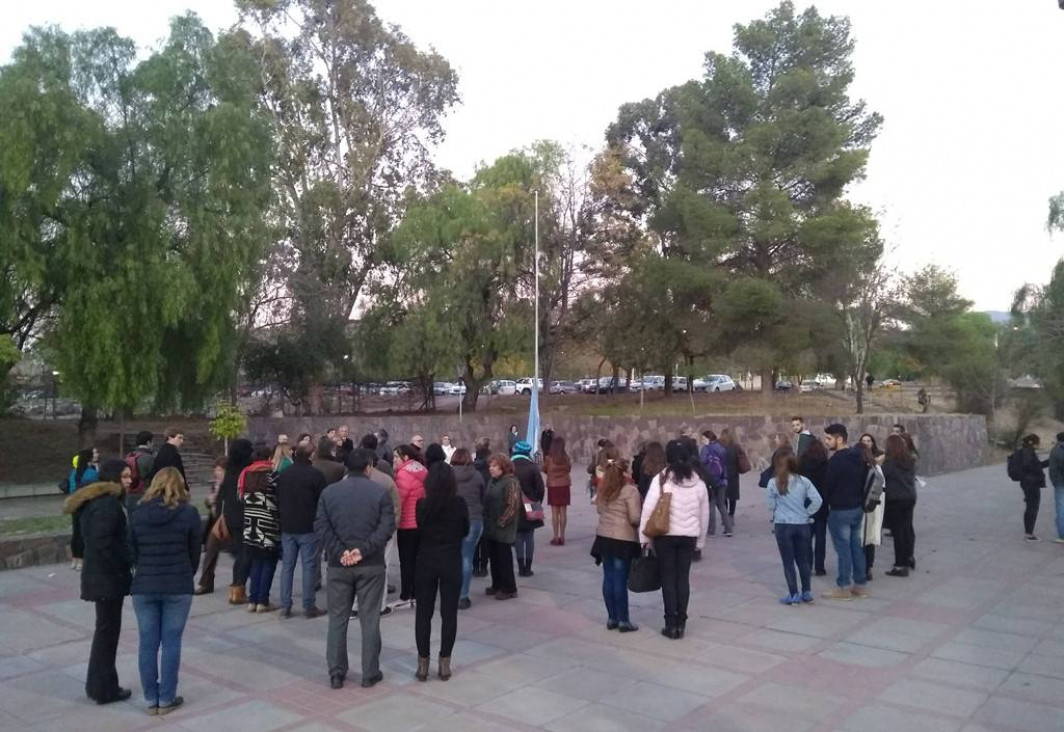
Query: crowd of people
point(448, 513)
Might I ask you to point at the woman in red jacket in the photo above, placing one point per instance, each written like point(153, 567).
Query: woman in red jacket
point(410, 477)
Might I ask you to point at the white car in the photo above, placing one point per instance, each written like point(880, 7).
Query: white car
point(715, 383)
point(809, 385)
point(457, 389)
point(395, 388)
point(440, 388)
point(653, 383)
point(506, 387)
point(524, 386)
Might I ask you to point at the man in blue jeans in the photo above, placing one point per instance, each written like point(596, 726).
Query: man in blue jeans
point(298, 490)
point(1056, 479)
point(844, 485)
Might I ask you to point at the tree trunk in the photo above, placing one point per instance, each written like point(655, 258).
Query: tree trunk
point(87, 427)
point(598, 375)
point(859, 390)
point(768, 384)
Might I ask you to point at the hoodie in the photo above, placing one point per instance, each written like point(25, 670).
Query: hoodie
point(165, 547)
point(844, 482)
point(471, 487)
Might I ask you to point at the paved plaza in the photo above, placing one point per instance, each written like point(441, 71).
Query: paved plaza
point(973, 642)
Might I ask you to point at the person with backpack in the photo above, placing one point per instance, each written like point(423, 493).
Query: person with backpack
point(85, 472)
point(1056, 479)
point(1025, 468)
point(713, 457)
point(141, 464)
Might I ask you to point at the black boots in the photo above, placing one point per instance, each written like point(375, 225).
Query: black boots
point(674, 628)
point(524, 568)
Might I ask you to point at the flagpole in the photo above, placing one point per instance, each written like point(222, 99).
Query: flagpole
point(532, 433)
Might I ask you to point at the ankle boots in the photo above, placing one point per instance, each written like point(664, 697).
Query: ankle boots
point(524, 568)
point(422, 673)
point(237, 595)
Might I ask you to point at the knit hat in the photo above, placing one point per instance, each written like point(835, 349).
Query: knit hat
point(522, 449)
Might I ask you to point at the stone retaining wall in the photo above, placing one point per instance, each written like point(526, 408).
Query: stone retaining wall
point(31, 551)
point(946, 443)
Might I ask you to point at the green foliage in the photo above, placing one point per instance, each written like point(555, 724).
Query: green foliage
point(1039, 312)
point(229, 422)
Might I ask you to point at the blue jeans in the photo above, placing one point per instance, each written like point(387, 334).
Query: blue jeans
point(845, 528)
point(305, 547)
point(161, 623)
point(469, 548)
point(1058, 493)
point(615, 588)
point(262, 569)
point(795, 545)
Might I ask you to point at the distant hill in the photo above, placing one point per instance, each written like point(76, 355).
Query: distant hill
point(999, 316)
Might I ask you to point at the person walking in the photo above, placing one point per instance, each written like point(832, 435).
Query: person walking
point(164, 541)
point(443, 523)
point(354, 520)
point(1056, 478)
point(616, 544)
point(98, 511)
point(298, 490)
point(813, 464)
point(471, 489)
point(231, 512)
point(844, 484)
point(1032, 481)
point(512, 438)
point(899, 473)
point(86, 471)
point(736, 463)
point(502, 502)
point(688, 521)
point(533, 491)
point(169, 454)
point(792, 502)
point(713, 458)
point(558, 468)
point(410, 477)
point(262, 532)
point(141, 463)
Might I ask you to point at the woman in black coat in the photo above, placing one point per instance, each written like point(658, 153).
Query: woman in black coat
point(899, 472)
point(1032, 481)
point(232, 513)
point(814, 465)
point(105, 575)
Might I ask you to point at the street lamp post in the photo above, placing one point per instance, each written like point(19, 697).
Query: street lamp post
point(55, 392)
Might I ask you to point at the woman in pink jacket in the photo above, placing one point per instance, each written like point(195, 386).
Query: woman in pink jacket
point(410, 480)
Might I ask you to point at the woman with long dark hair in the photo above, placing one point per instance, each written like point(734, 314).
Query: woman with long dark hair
point(262, 529)
point(899, 471)
point(1032, 481)
point(688, 520)
point(410, 476)
point(873, 522)
point(814, 465)
point(792, 500)
point(232, 514)
point(471, 489)
point(653, 464)
point(98, 511)
point(558, 468)
point(616, 542)
point(85, 472)
point(442, 525)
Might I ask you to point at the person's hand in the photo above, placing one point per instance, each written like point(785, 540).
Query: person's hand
point(351, 557)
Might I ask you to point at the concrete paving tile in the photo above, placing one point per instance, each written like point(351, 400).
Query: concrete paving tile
point(655, 701)
point(1022, 715)
point(979, 655)
point(793, 701)
point(470, 688)
point(993, 639)
point(883, 718)
point(535, 708)
point(736, 718)
point(24, 632)
point(857, 655)
point(1049, 647)
point(396, 712)
point(1043, 665)
point(251, 716)
point(820, 621)
point(12, 666)
point(470, 722)
point(701, 680)
point(960, 674)
point(778, 640)
point(897, 634)
point(585, 683)
point(601, 718)
point(1012, 624)
point(1031, 686)
point(524, 668)
point(934, 697)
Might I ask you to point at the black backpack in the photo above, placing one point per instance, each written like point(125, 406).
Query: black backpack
point(1014, 466)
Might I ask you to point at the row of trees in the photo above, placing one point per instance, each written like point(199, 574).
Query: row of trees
point(264, 202)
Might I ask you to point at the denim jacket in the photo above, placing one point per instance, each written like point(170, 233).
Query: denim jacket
point(798, 506)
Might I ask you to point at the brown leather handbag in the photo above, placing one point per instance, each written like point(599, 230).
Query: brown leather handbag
point(658, 523)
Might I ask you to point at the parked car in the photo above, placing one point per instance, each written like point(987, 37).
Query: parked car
point(506, 387)
point(440, 388)
point(809, 385)
point(784, 385)
point(457, 389)
point(609, 385)
point(524, 386)
point(395, 388)
point(653, 383)
point(588, 386)
point(890, 384)
point(714, 383)
point(564, 387)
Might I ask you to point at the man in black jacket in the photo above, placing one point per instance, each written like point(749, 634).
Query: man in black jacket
point(355, 518)
point(169, 455)
point(844, 484)
point(298, 490)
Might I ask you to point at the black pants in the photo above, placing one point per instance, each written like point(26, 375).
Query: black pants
point(675, 554)
point(1032, 497)
point(101, 681)
point(820, 537)
point(869, 557)
point(731, 505)
point(901, 521)
point(437, 572)
point(480, 555)
point(408, 542)
point(501, 557)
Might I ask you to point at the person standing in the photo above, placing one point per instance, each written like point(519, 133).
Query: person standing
point(298, 490)
point(410, 480)
point(231, 509)
point(164, 540)
point(448, 448)
point(142, 466)
point(533, 491)
point(814, 465)
point(558, 468)
point(803, 439)
point(354, 520)
point(333, 471)
point(616, 541)
point(370, 442)
point(844, 484)
point(1032, 481)
point(98, 510)
point(384, 450)
point(512, 438)
point(169, 454)
point(899, 473)
point(282, 455)
point(688, 520)
point(874, 520)
point(443, 522)
point(546, 440)
point(86, 472)
point(471, 489)
point(380, 477)
point(502, 502)
point(344, 444)
point(713, 459)
point(262, 532)
point(480, 462)
point(653, 464)
point(1056, 478)
point(736, 463)
point(792, 501)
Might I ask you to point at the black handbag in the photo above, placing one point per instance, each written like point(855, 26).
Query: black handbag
point(645, 574)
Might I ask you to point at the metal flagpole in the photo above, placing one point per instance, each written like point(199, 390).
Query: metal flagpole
point(532, 433)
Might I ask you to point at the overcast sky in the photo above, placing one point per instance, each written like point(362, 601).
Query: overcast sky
point(972, 146)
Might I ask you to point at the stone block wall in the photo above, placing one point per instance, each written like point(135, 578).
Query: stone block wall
point(947, 443)
point(32, 551)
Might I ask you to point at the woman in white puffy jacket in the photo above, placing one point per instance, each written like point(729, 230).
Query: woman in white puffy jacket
point(688, 521)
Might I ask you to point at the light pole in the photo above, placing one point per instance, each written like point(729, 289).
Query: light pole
point(55, 391)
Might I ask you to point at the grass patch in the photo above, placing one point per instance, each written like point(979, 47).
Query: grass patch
point(34, 525)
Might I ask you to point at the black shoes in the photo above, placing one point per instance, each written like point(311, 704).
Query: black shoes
point(178, 701)
point(627, 627)
point(671, 632)
point(898, 572)
point(821, 572)
point(372, 680)
point(313, 612)
point(464, 603)
point(120, 695)
point(336, 682)
point(612, 625)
